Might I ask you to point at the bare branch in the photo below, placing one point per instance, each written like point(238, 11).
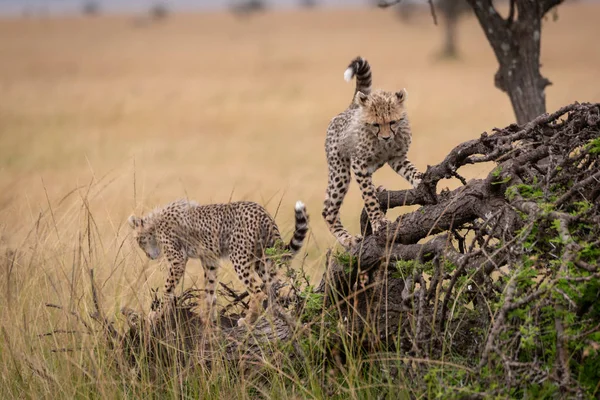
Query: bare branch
point(547, 5)
point(511, 14)
point(499, 321)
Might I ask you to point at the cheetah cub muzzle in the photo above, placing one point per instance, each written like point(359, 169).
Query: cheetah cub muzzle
point(240, 231)
point(372, 131)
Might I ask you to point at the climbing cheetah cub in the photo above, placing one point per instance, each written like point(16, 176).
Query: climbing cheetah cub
point(372, 131)
point(240, 231)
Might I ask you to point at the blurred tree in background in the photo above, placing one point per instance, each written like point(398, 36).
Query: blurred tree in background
point(451, 11)
point(247, 7)
point(90, 8)
point(159, 11)
point(308, 3)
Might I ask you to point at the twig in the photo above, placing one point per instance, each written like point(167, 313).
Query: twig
point(421, 309)
point(61, 331)
point(561, 351)
point(236, 298)
point(499, 322)
point(64, 350)
point(432, 9)
point(511, 14)
point(591, 180)
point(98, 315)
point(566, 297)
point(584, 334)
point(74, 314)
point(527, 299)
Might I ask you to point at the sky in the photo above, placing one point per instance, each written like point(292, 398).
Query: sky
point(56, 7)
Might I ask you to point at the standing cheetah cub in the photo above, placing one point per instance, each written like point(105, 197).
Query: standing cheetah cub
point(372, 131)
point(240, 231)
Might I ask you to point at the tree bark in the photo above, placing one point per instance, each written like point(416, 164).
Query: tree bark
point(516, 44)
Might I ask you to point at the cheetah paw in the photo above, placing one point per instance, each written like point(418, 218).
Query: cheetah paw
point(350, 242)
point(362, 281)
point(380, 225)
point(417, 180)
point(356, 240)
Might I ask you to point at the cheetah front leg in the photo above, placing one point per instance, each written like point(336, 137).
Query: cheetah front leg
point(364, 178)
point(177, 260)
point(406, 169)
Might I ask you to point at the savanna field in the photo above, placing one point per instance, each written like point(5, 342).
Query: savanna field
point(108, 116)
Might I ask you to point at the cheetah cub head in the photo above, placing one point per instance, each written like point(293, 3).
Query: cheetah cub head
point(382, 112)
point(145, 237)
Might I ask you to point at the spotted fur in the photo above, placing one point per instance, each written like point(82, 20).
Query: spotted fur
point(372, 131)
point(240, 231)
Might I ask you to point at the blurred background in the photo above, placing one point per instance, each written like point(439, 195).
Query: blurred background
point(117, 106)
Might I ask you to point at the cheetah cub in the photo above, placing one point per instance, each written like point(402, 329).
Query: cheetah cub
point(372, 131)
point(240, 231)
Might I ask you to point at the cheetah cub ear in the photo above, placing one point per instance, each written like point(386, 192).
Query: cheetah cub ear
point(401, 95)
point(135, 222)
point(361, 99)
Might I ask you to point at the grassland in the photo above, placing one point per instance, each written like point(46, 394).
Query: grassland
point(103, 117)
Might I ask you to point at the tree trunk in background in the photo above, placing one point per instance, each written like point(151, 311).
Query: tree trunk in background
point(516, 44)
point(451, 11)
point(450, 23)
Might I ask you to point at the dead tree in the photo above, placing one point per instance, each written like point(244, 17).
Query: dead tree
point(516, 43)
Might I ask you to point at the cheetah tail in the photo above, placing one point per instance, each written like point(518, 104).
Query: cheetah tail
point(301, 228)
point(359, 68)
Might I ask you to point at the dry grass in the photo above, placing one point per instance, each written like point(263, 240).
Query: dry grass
point(213, 108)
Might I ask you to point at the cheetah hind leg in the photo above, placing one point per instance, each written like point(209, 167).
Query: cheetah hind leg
point(245, 270)
point(255, 308)
point(209, 316)
point(267, 272)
